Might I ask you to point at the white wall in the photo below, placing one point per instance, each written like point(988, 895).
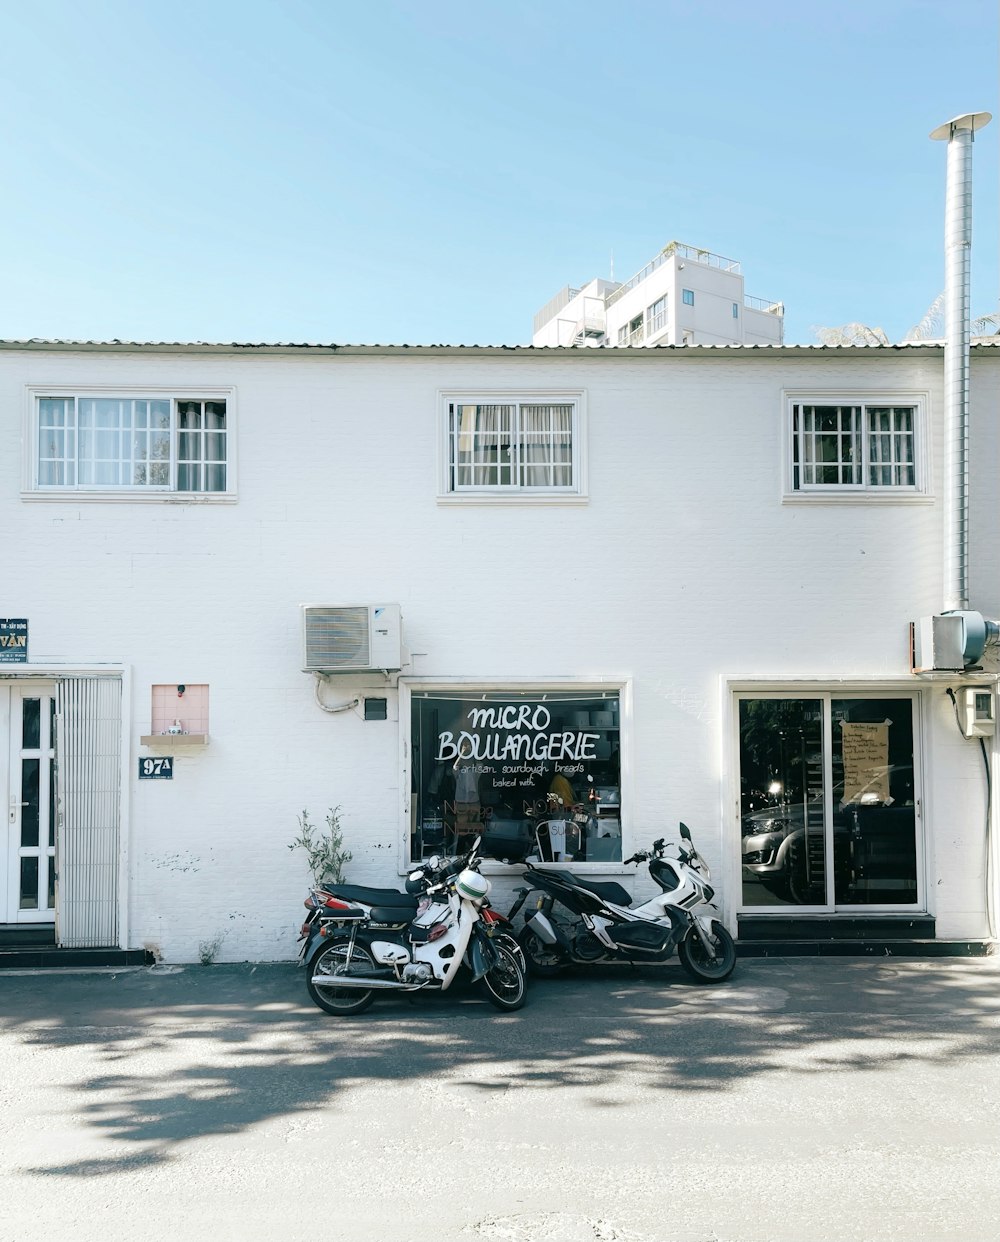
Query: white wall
point(710, 319)
point(761, 327)
point(684, 568)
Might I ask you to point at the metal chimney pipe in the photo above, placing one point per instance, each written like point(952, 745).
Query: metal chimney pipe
point(960, 134)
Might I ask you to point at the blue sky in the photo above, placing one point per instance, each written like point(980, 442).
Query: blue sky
point(298, 170)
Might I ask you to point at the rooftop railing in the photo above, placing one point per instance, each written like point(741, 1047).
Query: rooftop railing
point(691, 253)
point(762, 304)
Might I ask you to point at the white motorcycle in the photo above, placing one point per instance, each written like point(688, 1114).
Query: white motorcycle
point(602, 925)
point(408, 946)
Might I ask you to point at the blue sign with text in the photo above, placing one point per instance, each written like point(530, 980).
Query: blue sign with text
point(13, 640)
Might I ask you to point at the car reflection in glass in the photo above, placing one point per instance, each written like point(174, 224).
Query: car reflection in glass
point(873, 844)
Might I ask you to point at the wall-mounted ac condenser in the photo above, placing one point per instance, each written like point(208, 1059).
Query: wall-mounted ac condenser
point(351, 639)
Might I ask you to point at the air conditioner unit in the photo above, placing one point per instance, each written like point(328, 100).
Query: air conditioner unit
point(351, 639)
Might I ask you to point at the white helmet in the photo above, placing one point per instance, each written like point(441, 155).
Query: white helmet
point(473, 886)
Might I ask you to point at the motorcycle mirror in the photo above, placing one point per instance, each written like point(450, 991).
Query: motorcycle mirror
point(685, 832)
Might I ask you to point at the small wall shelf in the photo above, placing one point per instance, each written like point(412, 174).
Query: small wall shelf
point(174, 739)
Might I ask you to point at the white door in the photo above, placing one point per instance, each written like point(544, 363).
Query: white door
point(27, 753)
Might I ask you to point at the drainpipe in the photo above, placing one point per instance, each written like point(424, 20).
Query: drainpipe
point(960, 134)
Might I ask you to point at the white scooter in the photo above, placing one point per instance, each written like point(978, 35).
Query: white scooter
point(364, 947)
point(604, 927)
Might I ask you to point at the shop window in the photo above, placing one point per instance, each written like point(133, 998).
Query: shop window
point(143, 444)
point(513, 446)
point(855, 446)
point(828, 816)
point(534, 774)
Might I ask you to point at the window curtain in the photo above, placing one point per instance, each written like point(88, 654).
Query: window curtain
point(482, 449)
point(546, 446)
point(890, 446)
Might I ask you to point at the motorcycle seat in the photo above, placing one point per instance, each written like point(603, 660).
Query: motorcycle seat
point(373, 896)
point(607, 890)
point(393, 914)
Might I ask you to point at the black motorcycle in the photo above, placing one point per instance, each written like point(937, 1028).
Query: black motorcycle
point(572, 920)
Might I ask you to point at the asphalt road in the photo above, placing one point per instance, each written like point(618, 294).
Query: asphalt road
point(805, 1100)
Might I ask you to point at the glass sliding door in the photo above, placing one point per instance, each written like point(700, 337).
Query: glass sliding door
point(828, 817)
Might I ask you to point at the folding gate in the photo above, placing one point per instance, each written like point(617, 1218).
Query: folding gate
point(88, 810)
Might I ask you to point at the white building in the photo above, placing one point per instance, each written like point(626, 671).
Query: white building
point(681, 578)
point(684, 296)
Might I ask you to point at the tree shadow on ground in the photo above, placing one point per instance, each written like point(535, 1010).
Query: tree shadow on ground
point(217, 1050)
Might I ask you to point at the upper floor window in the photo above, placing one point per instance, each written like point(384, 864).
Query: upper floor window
point(512, 446)
point(688, 296)
point(138, 444)
point(847, 446)
point(656, 315)
point(736, 310)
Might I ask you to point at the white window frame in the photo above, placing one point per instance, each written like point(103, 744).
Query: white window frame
point(457, 686)
point(506, 494)
point(863, 491)
point(656, 316)
point(157, 494)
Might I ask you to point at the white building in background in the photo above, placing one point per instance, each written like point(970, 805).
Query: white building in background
point(684, 296)
point(682, 579)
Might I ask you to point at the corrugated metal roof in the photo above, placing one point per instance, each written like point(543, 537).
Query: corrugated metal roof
point(118, 346)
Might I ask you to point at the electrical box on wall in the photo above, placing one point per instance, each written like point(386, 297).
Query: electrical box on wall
point(359, 638)
point(977, 711)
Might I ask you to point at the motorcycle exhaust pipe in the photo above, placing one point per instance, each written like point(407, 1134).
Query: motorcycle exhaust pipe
point(359, 981)
point(542, 928)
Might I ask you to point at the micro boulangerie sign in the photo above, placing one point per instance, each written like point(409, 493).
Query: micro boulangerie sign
point(13, 640)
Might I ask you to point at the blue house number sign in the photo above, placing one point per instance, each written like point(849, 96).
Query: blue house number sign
point(159, 769)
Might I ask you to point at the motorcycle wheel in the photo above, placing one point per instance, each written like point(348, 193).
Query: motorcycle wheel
point(331, 960)
point(503, 985)
point(509, 943)
point(543, 960)
point(699, 964)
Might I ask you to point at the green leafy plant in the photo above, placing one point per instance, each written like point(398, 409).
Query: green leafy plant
point(324, 849)
point(208, 950)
